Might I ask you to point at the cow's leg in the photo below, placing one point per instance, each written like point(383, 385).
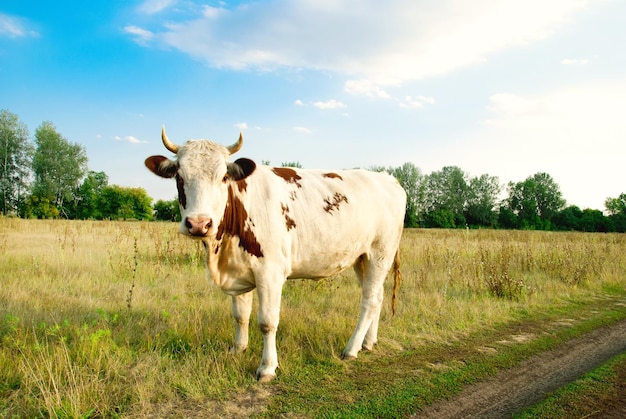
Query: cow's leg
point(242, 307)
point(371, 337)
point(374, 272)
point(269, 313)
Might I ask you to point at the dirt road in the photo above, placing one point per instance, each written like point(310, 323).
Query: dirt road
point(512, 390)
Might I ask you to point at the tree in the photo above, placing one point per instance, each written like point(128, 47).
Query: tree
point(507, 218)
point(414, 184)
point(535, 200)
point(16, 153)
point(87, 195)
point(594, 221)
point(58, 166)
point(295, 164)
point(482, 196)
point(117, 202)
point(615, 206)
point(167, 210)
point(568, 218)
point(447, 190)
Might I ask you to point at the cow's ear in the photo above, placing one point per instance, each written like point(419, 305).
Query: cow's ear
point(241, 168)
point(161, 166)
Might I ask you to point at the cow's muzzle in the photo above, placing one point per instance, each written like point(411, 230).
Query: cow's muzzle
point(198, 226)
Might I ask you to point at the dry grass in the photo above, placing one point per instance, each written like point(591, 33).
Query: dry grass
point(118, 319)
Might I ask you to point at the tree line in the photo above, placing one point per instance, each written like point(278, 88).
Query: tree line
point(450, 198)
point(49, 178)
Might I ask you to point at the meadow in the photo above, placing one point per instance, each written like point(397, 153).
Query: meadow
point(118, 319)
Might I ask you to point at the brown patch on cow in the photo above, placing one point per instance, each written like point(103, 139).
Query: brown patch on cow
point(289, 222)
point(332, 175)
point(180, 185)
point(293, 195)
point(288, 174)
point(236, 223)
point(242, 185)
point(334, 202)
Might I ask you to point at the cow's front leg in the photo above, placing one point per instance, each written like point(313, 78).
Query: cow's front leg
point(269, 313)
point(242, 307)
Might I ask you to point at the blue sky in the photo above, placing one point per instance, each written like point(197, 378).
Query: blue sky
point(502, 87)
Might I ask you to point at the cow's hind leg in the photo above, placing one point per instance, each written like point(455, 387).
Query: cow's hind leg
point(371, 274)
point(371, 337)
point(242, 307)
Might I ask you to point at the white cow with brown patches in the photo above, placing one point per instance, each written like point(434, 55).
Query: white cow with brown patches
point(263, 225)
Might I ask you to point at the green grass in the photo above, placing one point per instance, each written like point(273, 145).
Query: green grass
point(597, 394)
point(402, 384)
point(114, 319)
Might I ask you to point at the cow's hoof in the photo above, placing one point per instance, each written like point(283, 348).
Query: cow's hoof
point(346, 357)
point(265, 378)
point(236, 350)
point(368, 346)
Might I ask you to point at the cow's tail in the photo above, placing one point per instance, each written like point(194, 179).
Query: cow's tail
point(397, 280)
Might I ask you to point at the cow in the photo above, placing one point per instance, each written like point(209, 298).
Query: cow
point(262, 225)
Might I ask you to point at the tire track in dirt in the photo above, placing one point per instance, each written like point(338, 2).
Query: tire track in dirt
point(514, 389)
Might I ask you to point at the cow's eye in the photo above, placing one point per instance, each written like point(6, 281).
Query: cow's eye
point(225, 178)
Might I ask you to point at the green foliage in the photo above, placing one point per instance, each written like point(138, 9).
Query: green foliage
point(40, 207)
point(88, 196)
point(15, 161)
point(482, 195)
point(117, 202)
point(616, 206)
point(414, 184)
point(447, 189)
point(535, 201)
point(58, 167)
point(167, 210)
point(440, 218)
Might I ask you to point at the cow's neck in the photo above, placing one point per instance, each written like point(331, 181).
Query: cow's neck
point(235, 233)
point(237, 223)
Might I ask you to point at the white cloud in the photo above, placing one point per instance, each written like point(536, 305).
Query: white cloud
point(575, 61)
point(212, 12)
point(508, 104)
point(303, 130)
point(129, 139)
point(242, 125)
point(416, 39)
point(415, 102)
point(298, 102)
point(365, 87)
point(155, 6)
point(329, 104)
point(142, 36)
point(15, 27)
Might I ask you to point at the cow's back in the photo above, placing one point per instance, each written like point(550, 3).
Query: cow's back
point(318, 223)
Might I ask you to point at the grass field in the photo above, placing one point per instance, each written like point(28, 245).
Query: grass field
point(117, 319)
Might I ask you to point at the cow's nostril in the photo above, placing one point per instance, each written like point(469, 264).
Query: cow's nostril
point(198, 226)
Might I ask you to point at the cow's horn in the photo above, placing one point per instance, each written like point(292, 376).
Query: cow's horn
point(237, 146)
point(167, 143)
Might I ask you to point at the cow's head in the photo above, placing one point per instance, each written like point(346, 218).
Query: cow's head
point(203, 174)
